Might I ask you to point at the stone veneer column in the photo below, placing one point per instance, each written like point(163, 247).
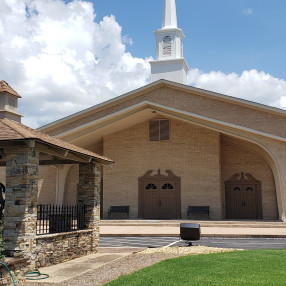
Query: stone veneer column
point(89, 194)
point(21, 200)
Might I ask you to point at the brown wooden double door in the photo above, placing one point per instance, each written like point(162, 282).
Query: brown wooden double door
point(243, 197)
point(159, 196)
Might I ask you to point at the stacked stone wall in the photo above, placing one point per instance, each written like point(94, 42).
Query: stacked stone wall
point(89, 194)
point(57, 248)
point(18, 268)
point(21, 197)
point(3, 175)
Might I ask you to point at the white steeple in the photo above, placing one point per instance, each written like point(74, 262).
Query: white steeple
point(169, 15)
point(170, 63)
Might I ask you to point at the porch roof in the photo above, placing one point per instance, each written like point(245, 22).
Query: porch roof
point(15, 131)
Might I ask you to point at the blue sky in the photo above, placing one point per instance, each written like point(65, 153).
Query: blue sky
point(67, 55)
point(225, 35)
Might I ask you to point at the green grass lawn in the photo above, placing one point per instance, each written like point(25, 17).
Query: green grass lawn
point(256, 267)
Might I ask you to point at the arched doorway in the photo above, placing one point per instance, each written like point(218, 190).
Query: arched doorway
point(243, 197)
point(159, 196)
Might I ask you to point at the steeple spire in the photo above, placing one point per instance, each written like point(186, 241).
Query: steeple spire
point(170, 63)
point(169, 15)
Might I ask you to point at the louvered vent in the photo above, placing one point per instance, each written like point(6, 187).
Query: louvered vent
point(164, 130)
point(167, 46)
point(159, 130)
point(154, 127)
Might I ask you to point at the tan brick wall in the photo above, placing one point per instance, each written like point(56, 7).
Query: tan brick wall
point(70, 196)
point(47, 185)
point(193, 153)
point(190, 101)
point(236, 159)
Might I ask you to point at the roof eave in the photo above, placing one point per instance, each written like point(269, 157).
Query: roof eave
point(167, 83)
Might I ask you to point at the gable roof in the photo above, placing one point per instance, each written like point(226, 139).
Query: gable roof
point(6, 88)
point(156, 85)
point(15, 131)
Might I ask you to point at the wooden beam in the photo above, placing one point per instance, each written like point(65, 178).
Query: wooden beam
point(11, 143)
point(57, 162)
point(61, 153)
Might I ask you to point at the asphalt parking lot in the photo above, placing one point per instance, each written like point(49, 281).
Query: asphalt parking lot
point(241, 243)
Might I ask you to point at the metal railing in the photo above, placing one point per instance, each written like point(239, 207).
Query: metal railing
point(57, 219)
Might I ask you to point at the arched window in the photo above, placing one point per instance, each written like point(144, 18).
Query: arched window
point(151, 187)
point(167, 46)
point(167, 187)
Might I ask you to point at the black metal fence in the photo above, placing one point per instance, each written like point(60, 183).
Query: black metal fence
point(57, 219)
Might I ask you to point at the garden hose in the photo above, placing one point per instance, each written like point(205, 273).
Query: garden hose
point(36, 275)
point(12, 277)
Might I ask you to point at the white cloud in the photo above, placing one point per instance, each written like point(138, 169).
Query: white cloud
point(61, 60)
point(250, 85)
point(248, 11)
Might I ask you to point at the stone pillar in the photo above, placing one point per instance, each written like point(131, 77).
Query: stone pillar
point(89, 194)
point(21, 197)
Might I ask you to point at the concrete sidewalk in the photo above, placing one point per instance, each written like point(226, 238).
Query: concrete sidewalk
point(208, 228)
point(64, 271)
point(228, 229)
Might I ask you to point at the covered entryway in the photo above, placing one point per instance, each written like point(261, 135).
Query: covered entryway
point(243, 197)
point(159, 196)
point(27, 225)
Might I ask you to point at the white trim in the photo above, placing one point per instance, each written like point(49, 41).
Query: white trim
point(168, 61)
point(193, 115)
point(170, 30)
point(86, 125)
point(238, 127)
point(203, 92)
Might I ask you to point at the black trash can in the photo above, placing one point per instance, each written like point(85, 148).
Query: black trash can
point(190, 231)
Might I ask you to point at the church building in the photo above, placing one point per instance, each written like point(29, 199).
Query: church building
point(176, 146)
